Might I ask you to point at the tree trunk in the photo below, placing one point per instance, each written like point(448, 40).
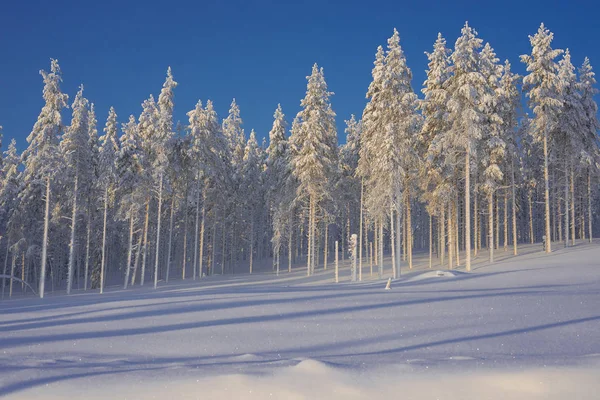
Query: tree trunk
point(491, 225)
point(566, 237)
point(5, 265)
point(170, 238)
point(87, 248)
point(476, 232)
point(450, 237)
point(185, 232)
point(325, 246)
point(398, 239)
point(514, 209)
point(129, 247)
point(72, 241)
point(45, 240)
point(505, 221)
point(409, 237)
point(467, 210)
point(290, 235)
point(102, 265)
point(393, 241)
point(252, 241)
point(442, 234)
point(202, 226)
point(12, 274)
point(530, 201)
point(197, 228)
point(380, 249)
point(572, 207)
point(589, 188)
point(137, 258)
point(310, 236)
point(546, 194)
point(430, 241)
point(360, 232)
point(145, 247)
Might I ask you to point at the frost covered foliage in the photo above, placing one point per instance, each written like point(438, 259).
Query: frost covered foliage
point(148, 198)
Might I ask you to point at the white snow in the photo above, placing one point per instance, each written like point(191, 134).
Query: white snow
point(523, 328)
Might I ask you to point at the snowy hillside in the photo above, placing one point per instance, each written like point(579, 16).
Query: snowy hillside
point(523, 328)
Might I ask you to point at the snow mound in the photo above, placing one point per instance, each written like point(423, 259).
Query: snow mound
point(434, 274)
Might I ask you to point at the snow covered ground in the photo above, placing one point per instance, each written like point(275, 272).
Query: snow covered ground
point(524, 328)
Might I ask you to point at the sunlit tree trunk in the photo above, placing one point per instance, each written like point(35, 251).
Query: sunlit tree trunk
point(45, 240)
point(72, 241)
point(491, 225)
point(129, 248)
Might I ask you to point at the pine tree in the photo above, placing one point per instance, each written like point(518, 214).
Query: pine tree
point(41, 162)
point(74, 146)
point(542, 86)
point(315, 160)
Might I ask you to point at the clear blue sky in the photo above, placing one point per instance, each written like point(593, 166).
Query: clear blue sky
point(256, 51)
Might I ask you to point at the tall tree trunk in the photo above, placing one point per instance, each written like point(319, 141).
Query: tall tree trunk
point(145, 247)
point(45, 240)
point(202, 226)
point(491, 225)
point(505, 220)
point(252, 241)
point(409, 236)
point(393, 241)
point(136, 262)
point(310, 236)
point(72, 241)
point(12, 274)
point(87, 247)
point(430, 241)
point(158, 224)
point(530, 201)
point(442, 233)
point(450, 239)
point(5, 265)
point(290, 236)
point(572, 206)
point(566, 237)
point(589, 189)
point(360, 232)
point(514, 209)
point(185, 232)
point(497, 223)
point(380, 248)
point(170, 238)
point(129, 247)
point(398, 238)
point(546, 194)
point(103, 264)
point(467, 210)
point(197, 227)
point(325, 245)
point(475, 224)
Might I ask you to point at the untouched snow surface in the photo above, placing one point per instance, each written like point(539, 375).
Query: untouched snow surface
point(524, 328)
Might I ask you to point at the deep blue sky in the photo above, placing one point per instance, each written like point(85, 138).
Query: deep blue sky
point(256, 51)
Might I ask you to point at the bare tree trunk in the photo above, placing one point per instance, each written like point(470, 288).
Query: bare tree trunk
point(145, 248)
point(491, 225)
point(475, 224)
point(129, 247)
point(566, 237)
point(336, 263)
point(590, 205)
point(467, 211)
point(290, 235)
point(457, 237)
point(87, 248)
point(450, 239)
point(398, 238)
point(514, 209)
point(5, 265)
point(202, 226)
point(572, 206)
point(159, 220)
point(310, 236)
point(185, 231)
point(371, 257)
point(360, 233)
point(547, 194)
point(409, 236)
point(252, 242)
point(442, 234)
point(170, 247)
point(530, 201)
point(325, 246)
point(380, 249)
point(393, 241)
point(72, 241)
point(137, 258)
point(12, 275)
point(196, 228)
point(497, 223)
point(505, 221)
point(103, 264)
point(45, 240)
point(430, 241)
